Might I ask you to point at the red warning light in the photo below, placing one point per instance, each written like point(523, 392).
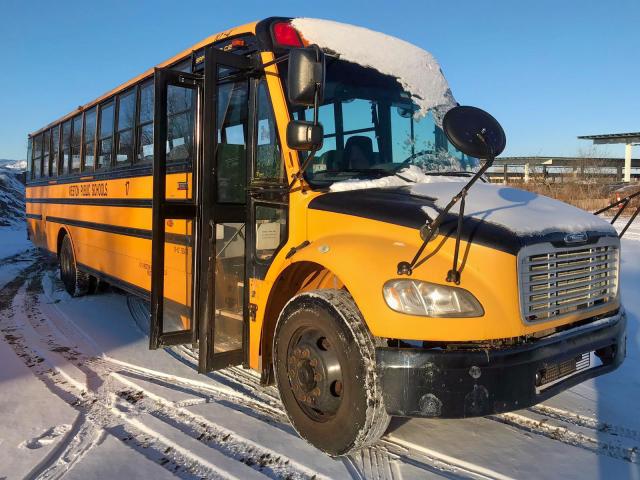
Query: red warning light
point(285, 35)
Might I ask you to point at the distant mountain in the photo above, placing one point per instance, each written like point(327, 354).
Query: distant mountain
point(12, 192)
point(13, 164)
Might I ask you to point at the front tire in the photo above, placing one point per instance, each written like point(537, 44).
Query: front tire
point(76, 283)
point(326, 372)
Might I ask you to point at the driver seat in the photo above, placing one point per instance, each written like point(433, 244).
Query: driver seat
point(358, 152)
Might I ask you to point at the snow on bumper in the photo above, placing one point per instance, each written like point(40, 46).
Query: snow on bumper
point(464, 383)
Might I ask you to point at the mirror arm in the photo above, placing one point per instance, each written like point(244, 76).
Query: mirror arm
point(454, 274)
point(260, 68)
point(298, 176)
point(406, 268)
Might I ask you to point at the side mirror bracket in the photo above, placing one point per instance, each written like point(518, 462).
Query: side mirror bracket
point(305, 87)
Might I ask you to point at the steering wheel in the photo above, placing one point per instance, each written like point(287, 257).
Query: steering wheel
point(407, 160)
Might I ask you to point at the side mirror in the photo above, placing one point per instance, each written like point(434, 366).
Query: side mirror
point(474, 132)
point(305, 80)
point(302, 135)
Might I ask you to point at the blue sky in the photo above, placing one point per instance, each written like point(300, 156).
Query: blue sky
point(548, 70)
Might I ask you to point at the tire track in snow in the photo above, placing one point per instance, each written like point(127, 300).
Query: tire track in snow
point(437, 462)
point(585, 421)
point(93, 407)
point(101, 407)
point(109, 372)
point(566, 435)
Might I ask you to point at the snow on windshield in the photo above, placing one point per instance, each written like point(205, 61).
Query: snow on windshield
point(408, 176)
point(415, 69)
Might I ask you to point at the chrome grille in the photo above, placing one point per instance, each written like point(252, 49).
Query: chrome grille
point(555, 282)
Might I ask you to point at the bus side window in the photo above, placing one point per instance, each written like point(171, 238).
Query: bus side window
point(232, 147)
point(37, 156)
point(66, 146)
point(180, 122)
point(55, 149)
point(46, 137)
point(145, 124)
point(269, 162)
point(88, 153)
point(76, 140)
point(29, 158)
point(124, 132)
point(105, 135)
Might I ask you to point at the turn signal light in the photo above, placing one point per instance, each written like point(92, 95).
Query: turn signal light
point(285, 35)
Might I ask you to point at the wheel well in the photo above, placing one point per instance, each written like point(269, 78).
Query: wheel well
point(298, 277)
point(61, 234)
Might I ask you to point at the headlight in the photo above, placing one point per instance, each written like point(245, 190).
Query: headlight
point(430, 299)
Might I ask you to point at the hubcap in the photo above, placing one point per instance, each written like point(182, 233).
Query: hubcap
point(315, 374)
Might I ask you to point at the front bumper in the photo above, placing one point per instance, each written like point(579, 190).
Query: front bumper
point(470, 383)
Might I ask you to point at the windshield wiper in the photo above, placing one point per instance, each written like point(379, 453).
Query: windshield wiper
point(431, 229)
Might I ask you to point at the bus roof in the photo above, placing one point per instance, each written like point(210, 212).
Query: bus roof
point(248, 28)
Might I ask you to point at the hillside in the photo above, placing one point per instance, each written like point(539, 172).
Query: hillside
point(11, 192)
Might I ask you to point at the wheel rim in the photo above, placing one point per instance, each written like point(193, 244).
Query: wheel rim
point(315, 374)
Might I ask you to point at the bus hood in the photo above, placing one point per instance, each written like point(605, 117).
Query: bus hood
point(496, 216)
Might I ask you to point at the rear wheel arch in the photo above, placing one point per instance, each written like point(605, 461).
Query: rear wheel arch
point(61, 234)
point(76, 282)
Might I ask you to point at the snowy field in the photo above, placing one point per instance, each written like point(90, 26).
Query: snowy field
point(82, 397)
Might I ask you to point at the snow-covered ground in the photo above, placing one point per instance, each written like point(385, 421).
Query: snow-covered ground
point(82, 397)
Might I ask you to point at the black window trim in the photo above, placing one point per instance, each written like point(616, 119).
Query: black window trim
point(83, 154)
point(99, 139)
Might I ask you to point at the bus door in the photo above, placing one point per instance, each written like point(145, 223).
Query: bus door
point(198, 291)
point(223, 325)
point(175, 218)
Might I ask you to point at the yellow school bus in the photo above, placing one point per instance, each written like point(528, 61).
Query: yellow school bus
point(305, 198)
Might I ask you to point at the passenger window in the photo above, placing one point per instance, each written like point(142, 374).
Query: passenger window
point(231, 150)
point(180, 121)
point(124, 133)
point(45, 149)
point(105, 136)
point(269, 162)
point(76, 137)
point(66, 146)
point(30, 158)
point(145, 124)
point(55, 149)
point(37, 156)
point(271, 230)
point(89, 139)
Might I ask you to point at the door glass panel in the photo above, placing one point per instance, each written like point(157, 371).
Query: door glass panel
point(232, 133)
point(181, 145)
point(271, 230)
point(178, 278)
point(229, 286)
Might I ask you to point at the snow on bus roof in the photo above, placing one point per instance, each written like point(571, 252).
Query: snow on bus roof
point(415, 69)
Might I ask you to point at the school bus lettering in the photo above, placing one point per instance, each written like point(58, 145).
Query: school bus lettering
point(386, 277)
point(89, 190)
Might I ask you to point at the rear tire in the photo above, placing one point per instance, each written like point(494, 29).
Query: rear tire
point(325, 370)
point(76, 283)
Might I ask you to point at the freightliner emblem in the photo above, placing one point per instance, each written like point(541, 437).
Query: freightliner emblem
point(579, 237)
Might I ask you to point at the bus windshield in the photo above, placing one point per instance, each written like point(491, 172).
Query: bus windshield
point(371, 130)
